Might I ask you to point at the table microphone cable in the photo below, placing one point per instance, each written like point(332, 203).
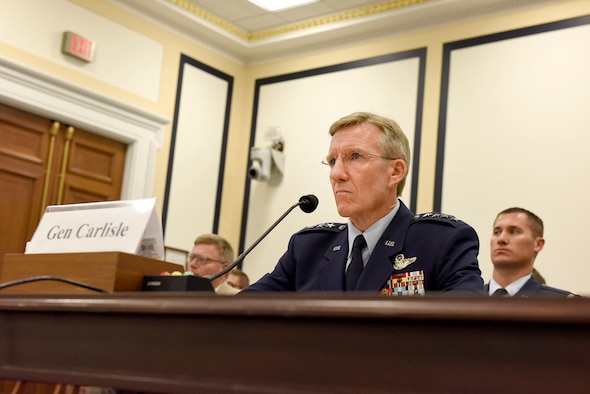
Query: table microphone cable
point(54, 278)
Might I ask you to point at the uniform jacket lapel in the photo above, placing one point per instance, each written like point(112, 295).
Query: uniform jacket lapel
point(380, 266)
point(331, 272)
point(531, 286)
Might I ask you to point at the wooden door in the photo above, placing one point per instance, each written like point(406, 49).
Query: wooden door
point(43, 162)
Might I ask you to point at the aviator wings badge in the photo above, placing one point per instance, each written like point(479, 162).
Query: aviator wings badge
point(402, 262)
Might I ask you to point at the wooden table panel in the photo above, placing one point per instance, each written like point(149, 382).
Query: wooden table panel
point(193, 343)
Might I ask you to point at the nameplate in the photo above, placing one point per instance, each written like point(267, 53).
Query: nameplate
point(130, 226)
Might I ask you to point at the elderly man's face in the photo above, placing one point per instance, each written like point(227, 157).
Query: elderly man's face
point(363, 181)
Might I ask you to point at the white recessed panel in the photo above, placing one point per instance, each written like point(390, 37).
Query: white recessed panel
point(197, 157)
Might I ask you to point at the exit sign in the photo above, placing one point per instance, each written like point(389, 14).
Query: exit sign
point(78, 46)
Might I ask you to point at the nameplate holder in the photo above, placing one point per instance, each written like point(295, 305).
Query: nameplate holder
point(129, 226)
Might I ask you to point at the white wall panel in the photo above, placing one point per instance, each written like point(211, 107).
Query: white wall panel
point(198, 156)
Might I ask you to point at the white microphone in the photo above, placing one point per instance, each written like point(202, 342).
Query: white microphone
point(307, 204)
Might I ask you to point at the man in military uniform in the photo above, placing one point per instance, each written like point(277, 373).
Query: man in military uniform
point(517, 238)
point(384, 248)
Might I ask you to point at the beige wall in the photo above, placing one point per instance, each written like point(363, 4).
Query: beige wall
point(245, 77)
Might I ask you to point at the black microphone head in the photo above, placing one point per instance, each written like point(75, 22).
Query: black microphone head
point(308, 203)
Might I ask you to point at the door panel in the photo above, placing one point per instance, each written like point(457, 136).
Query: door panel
point(23, 153)
point(17, 216)
point(22, 136)
point(95, 169)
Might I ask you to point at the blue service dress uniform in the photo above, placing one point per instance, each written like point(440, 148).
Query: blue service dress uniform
point(534, 288)
point(416, 254)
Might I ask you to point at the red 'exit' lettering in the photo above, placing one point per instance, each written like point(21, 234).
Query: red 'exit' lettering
point(80, 46)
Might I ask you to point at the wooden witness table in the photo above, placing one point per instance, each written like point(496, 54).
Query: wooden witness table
point(290, 343)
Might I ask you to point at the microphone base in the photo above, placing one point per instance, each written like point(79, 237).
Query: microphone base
point(176, 283)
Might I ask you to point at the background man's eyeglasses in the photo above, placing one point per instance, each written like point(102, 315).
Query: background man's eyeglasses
point(201, 259)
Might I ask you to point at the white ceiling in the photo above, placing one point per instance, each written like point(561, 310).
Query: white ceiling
point(249, 34)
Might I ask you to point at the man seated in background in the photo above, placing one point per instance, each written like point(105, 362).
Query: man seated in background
point(517, 238)
point(210, 255)
point(238, 279)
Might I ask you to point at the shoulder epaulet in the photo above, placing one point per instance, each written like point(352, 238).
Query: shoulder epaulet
point(436, 216)
point(330, 226)
point(554, 290)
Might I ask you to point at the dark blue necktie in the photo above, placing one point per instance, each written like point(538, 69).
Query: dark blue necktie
point(501, 292)
point(356, 263)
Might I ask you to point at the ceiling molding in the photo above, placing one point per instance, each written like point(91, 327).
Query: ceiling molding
point(374, 20)
point(250, 36)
